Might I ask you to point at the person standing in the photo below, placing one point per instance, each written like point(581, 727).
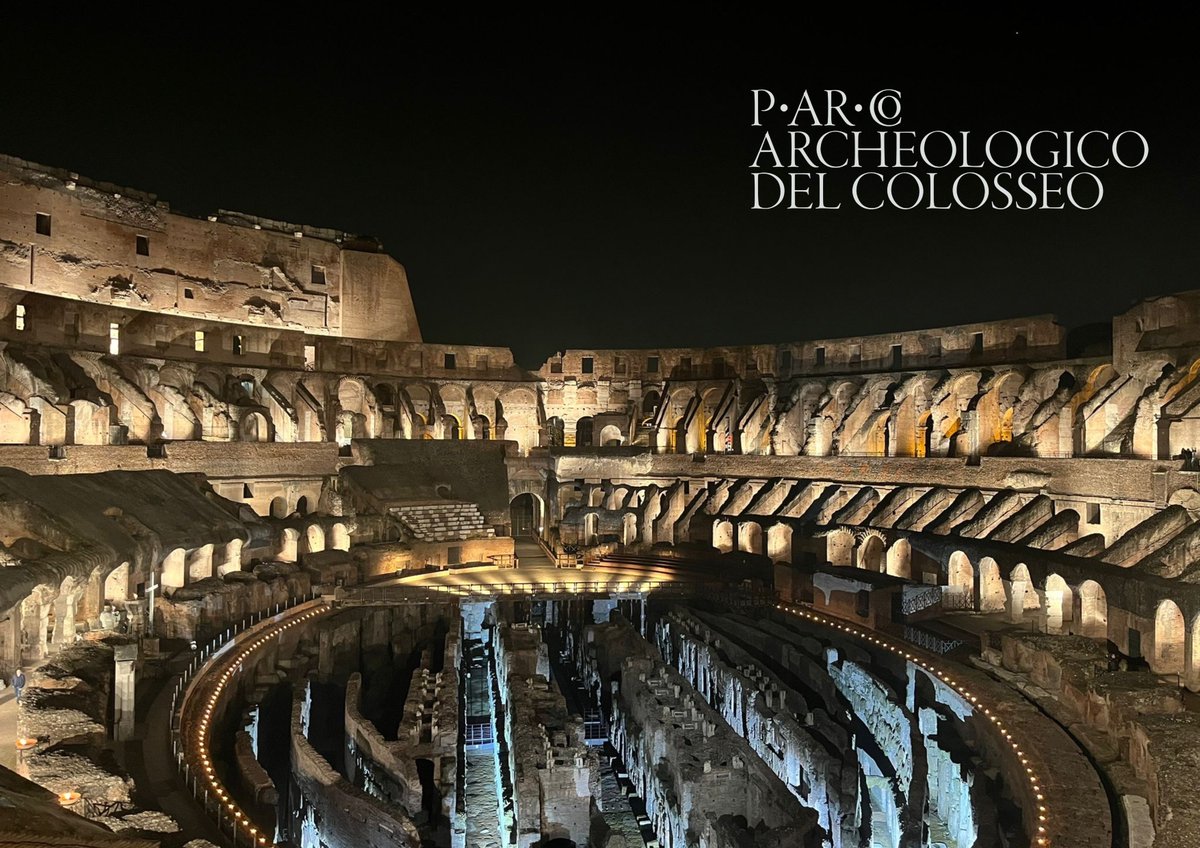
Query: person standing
point(18, 683)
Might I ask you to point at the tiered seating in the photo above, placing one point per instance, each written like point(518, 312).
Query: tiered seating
point(444, 521)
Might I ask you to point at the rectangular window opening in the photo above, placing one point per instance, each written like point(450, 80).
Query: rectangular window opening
point(318, 275)
point(114, 339)
point(198, 342)
point(820, 356)
point(188, 294)
point(237, 345)
point(20, 316)
point(310, 357)
point(42, 224)
point(651, 364)
point(449, 361)
point(855, 354)
point(588, 365)
point(143, 245)
point(1093, 513)
point(977, 343)
point(897, 356)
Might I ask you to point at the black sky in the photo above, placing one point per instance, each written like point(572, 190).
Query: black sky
point(585, 183)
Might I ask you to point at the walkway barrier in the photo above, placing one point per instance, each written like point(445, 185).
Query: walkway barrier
point(228, 822)
point(730, 593)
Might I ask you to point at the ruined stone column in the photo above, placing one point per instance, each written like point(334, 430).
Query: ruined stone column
point(125, 660)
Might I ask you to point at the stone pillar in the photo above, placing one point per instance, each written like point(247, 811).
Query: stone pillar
point(92, 602)
point(1016, 601)
point(125, 659)
point(10, 642)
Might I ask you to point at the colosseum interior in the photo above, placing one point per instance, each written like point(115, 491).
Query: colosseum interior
point(278, 571)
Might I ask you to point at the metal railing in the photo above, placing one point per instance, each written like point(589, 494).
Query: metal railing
point(205, 654)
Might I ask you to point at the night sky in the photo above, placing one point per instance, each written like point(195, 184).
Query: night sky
point(593, 190)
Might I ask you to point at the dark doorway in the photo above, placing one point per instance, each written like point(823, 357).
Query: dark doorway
point(523, 512)
point(583, 433)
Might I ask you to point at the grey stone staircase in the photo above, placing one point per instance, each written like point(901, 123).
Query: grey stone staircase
point(444, 521)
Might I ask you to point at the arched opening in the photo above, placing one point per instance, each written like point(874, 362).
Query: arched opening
point(450, 428)
point(1093, 610)
point(839, 547)
point(962, 581)
point(200, 563)
point(583, 433)
point(899, 559)
point(779, 543)
point(555, 432)
point(649, 403)
point(230, 557)
point(628, 528)
point(289, 545)
point(527, 515)
point(302, 505)
point(483, 427)
point(1058, 604)
point(279, 507)
point(1192, 675)
point(591, 525)
point(610, 436)
point(1023, 596)
point(991, 586)
point(750, 537)
point(116, 585)
point(723, 535)
point(1168, 639)
point(173, 569)
point(255, 428)
point(870, 553)
point(339, 537)
point(314, 538)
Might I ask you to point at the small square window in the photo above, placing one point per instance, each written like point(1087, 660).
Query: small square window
point(482, 363)
point(20, 316)
point(188, 294)
point(820, 356)
point(619, 365)
point(143, 245)
point(237, 345)
point(198, 342)
point(318, 275)
point(449, 361)
point(556, 366)
point(1093, 513)
point(651, 364)
point(588, 365)
point(43, 224)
